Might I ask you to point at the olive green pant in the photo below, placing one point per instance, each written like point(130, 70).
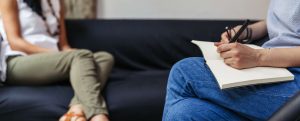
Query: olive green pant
point(86, 71)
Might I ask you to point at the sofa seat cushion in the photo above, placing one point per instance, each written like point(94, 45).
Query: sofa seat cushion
point(134, 95)
point(138, 96)
point(19, 103)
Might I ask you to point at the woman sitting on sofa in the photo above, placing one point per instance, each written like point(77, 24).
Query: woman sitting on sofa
point(36, 52)
point(193, 93)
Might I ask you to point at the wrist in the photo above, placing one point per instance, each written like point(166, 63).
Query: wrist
point(262, 57)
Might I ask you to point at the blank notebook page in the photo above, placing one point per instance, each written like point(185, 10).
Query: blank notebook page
point(231, 77)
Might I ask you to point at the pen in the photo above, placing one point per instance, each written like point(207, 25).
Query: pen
point(228, 31)
point(238, 34)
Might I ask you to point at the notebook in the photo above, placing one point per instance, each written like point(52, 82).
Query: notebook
point(228, 77)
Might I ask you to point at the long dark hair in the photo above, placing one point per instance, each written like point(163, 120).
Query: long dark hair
point(35, 5)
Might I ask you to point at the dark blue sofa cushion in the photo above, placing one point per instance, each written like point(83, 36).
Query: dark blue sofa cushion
point(136, 95)
point(19, 103)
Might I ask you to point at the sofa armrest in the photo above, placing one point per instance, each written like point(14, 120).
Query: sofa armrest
point(288, 112)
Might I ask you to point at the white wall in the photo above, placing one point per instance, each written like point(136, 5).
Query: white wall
point(182, 9)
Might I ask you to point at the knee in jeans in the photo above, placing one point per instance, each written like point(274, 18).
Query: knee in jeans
point(188, 62)
point(184, 67)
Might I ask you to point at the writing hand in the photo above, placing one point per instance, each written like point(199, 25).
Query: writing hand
point(225, 37)
point(239, 56)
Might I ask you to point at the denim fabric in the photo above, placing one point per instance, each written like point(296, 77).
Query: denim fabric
point(193, 95)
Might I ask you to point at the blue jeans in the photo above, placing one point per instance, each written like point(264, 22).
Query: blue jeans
point(194, 95)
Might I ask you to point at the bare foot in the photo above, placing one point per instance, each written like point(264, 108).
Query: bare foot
point(100, 117)
point(78, 113)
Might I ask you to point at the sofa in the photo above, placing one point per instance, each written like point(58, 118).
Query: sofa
point(144, 52)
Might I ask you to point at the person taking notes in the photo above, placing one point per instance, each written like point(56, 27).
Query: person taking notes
point(194, 95)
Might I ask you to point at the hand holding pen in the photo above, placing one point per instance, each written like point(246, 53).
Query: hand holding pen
point(233, 50)
point(231, 34)
point(236, 37)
